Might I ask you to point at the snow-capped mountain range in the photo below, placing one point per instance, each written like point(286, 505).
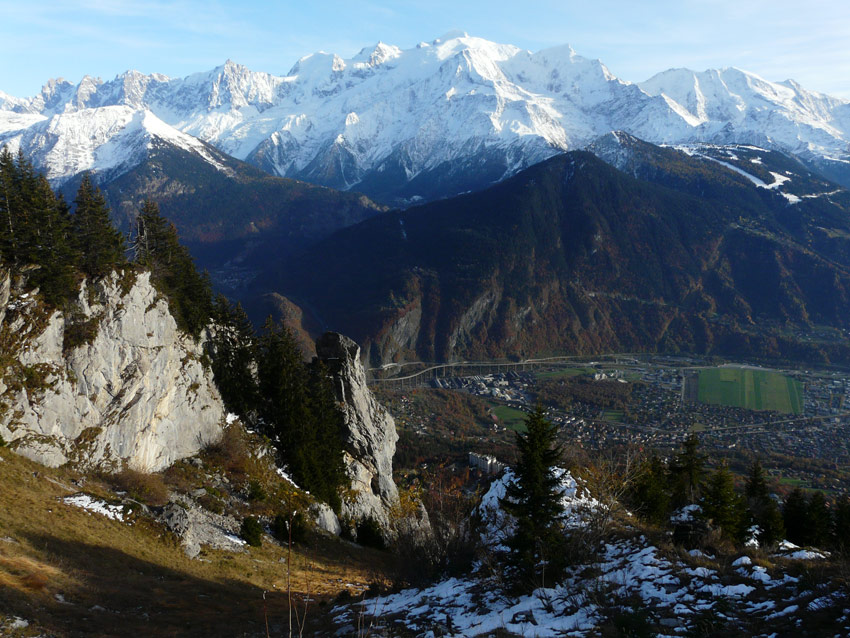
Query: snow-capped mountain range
point(428, 121)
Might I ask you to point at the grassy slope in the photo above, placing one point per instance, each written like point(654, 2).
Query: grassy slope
point(122, 579)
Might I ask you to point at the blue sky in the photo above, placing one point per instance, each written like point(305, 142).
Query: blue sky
point(807, 41)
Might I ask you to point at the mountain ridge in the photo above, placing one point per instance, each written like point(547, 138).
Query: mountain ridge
point(677, 252)
point(443, 104)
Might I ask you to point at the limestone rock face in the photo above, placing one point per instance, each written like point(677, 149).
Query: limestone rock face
point(111, 381)
point(325, 518)
point(196, 527)
point(370, 433)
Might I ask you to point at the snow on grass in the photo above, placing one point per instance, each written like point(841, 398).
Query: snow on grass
point(285, 476)
point(621, 574)
point(234, 539)
point(96, 506)
point(625, 571)
point(806, 554)
point(466, 607)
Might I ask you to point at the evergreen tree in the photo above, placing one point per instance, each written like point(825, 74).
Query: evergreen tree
point(157, 248)
point(9, 205)
point(282, 385)
point(819, 521)
point(761, 508)
point(794, 515)
point(100, 245)
point(534, 500)
point(233, 343)
point(299, 413)
point(686, 472)
point(722, 505)
point(841, 525)
point(35, 229)
point(756, 486)
point(649, 493)
point(320, 453)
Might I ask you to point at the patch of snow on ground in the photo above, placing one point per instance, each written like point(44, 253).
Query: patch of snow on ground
point(778, 180)
point(576, 500)
point(114, 512)
point(806, 554)
point(685, 514)
point(231, 418)
point(234, 539)
point(285, 476)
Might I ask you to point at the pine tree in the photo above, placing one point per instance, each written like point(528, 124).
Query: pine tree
point(649, 493)
point(233, 344)
point(282, 384)
point(756, 487)
point(841, 525)
point(100, 245)
point(722, 505)
point(534, 500)
point(761, 508)
point(36, 229)
point(320, 454)
point(794, 515)
point(9, 205)
point(156, 247)
point(299, 413)
point(686, 472)
point(819, 521)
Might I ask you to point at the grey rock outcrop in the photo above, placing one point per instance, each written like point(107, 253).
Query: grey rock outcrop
point(325, 518)
point(197, 527)
point(370, 434)
point(112, 381)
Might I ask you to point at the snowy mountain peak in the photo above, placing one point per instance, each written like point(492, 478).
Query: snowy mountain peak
point(392, 116)
point(379, 54)
point(453, 34)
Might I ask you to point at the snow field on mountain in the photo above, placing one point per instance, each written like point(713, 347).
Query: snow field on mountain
point(438, 102)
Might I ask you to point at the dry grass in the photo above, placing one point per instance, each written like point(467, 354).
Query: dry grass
point(123, 579)
point(141, 486)
point(24, 574)
point(230, 453)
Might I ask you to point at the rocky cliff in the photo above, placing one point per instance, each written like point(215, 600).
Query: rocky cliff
point(370, 434)
point(109, 380)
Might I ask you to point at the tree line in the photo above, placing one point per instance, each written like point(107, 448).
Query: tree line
point(740, 512)
point(679, 494)
point(261, 377)
point(59, 244)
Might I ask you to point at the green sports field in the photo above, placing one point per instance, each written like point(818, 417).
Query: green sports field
point(509, 417)
point(750, 389)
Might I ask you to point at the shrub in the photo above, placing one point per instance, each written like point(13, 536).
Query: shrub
point(369, 533)
point(147, 488)
point(231, 452)
point(256, 491)
point(212, 503)
point(280, 528)
point(2, 441)
point(251, 531)
point(79, 333)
